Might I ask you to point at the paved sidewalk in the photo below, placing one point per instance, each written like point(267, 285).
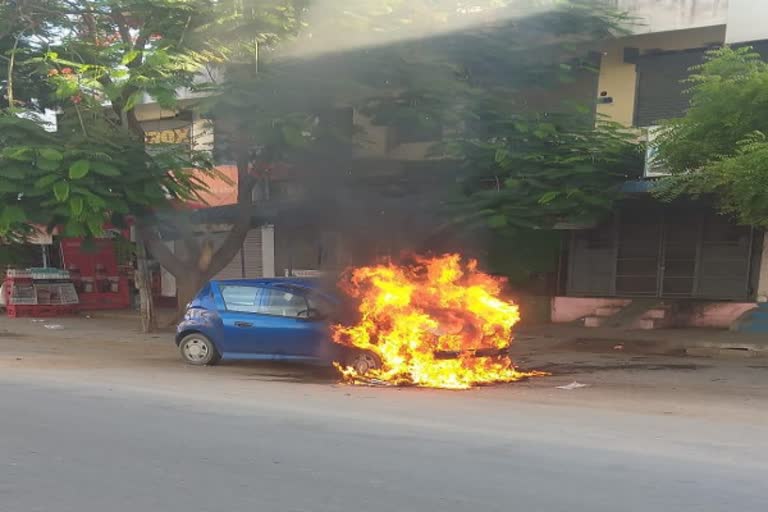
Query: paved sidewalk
point(700, 342)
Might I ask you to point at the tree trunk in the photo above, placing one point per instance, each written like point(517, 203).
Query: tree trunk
point(186, 289)
point(144, 284)
point(199, 265)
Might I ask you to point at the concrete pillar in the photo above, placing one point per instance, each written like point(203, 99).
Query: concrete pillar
point(268, 250)
point(167, 280)
point(762, 283)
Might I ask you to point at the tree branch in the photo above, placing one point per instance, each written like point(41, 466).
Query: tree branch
point(160, 251)
point(11, 64)
point(122, 27)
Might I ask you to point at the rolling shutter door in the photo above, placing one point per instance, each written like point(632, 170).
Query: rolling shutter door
point(592, 262)
point(660, 91)
point(252, 256)
point(660, 88)
point(724, 265)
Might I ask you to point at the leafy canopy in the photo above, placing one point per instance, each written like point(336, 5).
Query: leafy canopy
point(719, 147)
point(95, 62)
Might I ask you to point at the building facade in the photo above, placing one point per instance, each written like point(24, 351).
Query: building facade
point(682, 254)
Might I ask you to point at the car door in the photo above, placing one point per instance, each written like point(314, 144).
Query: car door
point(288, 324)
point(262, 321)
point(241, 322)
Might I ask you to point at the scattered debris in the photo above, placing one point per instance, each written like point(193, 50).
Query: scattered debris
point(53, 326)
point(573, 385)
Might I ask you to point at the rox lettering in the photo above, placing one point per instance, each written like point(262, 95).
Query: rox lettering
point(176, 136)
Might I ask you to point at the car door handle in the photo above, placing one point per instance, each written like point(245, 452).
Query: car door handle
point(243, 324)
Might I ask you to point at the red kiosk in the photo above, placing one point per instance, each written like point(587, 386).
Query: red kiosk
point(101, 282)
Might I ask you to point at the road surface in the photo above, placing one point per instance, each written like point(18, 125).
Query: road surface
point(74, 441)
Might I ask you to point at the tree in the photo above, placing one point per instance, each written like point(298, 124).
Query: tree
point(468, 78)
point(100, 58)
point(719, 146)
point(120, 50)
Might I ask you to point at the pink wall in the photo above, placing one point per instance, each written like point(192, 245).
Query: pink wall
point(713, 314)
point(718, 314)
point(570, 309)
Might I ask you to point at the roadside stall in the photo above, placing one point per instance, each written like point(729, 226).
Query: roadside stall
point(39, 292)
point(101, 273)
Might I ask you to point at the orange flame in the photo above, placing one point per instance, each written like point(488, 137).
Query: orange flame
point(431, 324)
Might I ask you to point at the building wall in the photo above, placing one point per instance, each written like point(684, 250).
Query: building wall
point(618, 79)
point(666, 15)
point(747, 21)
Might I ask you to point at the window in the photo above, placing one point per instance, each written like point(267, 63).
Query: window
point(244, 299)
point(266, 301)
point(418, 128)
point(321, 305)
point(282, 302)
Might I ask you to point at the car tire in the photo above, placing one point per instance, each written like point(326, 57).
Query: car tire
point(363, 361)
point(198, 350)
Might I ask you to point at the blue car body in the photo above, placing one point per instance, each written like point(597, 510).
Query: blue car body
point(264, 319)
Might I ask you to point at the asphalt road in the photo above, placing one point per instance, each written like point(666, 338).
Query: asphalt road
point(75, 446)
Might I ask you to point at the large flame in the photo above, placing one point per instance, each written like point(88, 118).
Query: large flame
point(425, 321)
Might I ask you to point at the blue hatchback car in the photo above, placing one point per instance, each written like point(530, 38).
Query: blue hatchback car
point(264, 319)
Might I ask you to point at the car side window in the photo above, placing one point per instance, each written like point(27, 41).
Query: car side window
point(321, 305)
point(282, 302)
point(243, 299)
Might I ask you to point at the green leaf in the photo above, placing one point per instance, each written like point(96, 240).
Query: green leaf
point(51, 154)
point(501, 155)
point(74, 229)
point(13, 214)
point(47, 180)
point(79, 169)
point(76, 205)
point(13, 173)
point(548, 197)
point(132, 100)
point(61, 191)
point(105, 169)
point(47, 165)
point(497, 221)
point(67, 88)
point(95, 202)
point(293, 136)
point(95, 225)
point(130, 57)
point(23, 154)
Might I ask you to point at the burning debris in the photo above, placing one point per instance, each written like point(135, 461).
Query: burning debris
point(438, 322)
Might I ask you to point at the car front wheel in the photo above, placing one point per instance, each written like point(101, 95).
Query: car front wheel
point(363, 362)
point(196, 349)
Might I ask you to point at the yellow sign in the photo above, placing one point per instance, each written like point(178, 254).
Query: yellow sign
point(176, 136)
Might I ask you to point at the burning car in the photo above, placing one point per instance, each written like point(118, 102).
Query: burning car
point(432, 322)
point(432, 325)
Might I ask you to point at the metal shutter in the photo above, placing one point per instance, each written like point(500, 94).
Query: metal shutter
point(592, 261)
point(724, 265)
point(252, 257)
point(660, 91)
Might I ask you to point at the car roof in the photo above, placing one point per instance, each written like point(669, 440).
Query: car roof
point(304, 282)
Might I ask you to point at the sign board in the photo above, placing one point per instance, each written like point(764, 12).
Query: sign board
point(172, 136)
point(168, 131)
point(303, 273)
